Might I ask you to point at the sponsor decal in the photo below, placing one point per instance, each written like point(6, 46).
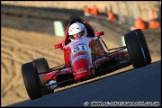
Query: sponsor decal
point(81, 70)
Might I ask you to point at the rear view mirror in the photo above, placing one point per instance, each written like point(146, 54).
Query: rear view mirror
point(98, 34)
point(58, 46)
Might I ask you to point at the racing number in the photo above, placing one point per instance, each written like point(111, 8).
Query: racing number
point(80, 48)
point(76, 49)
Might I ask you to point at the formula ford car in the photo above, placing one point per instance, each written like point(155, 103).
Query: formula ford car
point(84, 59)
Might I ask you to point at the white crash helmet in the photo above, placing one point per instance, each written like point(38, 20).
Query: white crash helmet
point(76, 28)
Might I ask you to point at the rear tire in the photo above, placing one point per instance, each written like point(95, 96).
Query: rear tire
point(31, 80)
point(41, 65)
point(137, 48)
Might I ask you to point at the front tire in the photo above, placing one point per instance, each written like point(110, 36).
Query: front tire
point(31, 80)
point(41, 65)
point(137, 47)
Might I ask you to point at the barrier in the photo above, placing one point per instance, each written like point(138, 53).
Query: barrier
point(58, 29)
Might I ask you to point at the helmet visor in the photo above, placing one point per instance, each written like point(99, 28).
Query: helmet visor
point(80, 34)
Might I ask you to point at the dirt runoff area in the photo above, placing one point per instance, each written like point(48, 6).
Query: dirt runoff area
point(18, 47)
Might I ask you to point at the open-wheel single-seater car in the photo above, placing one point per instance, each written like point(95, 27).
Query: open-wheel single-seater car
point(84, 58)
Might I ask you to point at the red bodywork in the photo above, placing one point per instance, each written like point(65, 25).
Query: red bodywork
point(77, 55)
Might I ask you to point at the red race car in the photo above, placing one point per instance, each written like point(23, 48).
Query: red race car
point(85, 56)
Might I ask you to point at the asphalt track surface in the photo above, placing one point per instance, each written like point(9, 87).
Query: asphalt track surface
point(139, 85)
point(142, 86)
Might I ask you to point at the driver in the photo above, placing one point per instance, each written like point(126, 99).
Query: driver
point(77, 30)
